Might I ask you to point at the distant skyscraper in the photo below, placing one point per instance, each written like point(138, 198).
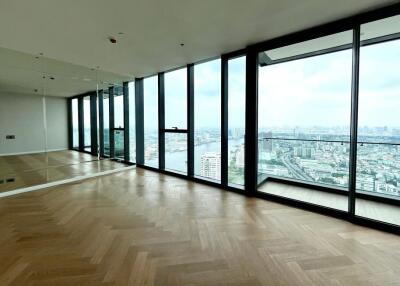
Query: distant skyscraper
point(211, 165)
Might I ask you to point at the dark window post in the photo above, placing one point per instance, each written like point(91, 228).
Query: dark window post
point(80, 124)
point(251, 137)
point(354, 120)
point(224, 120)
point(161, 121)
point(139, 117)
point(111, 124)
point(101, 123)
point(70, 132)
point(126, 121)
point(190, 119)
point(93, 123)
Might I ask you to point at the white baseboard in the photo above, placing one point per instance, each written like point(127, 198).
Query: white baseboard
point(63, 182)
point(32, 152)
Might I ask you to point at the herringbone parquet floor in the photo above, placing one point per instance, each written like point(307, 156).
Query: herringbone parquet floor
point(143, 228)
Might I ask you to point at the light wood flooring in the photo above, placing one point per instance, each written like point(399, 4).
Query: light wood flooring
point(364, 208)
point(139, 227)
point(21, 171)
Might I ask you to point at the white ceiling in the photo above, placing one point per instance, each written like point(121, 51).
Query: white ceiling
point(76, 32)
point(24, 73)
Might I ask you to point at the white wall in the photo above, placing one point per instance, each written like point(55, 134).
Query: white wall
point(22, 116)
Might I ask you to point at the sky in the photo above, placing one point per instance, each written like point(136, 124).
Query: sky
point(309, 92)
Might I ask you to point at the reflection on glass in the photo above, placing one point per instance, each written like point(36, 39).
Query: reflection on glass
point(207, 119)
point(236, 119)
point(378, 155)
point(118, 107)
point(106, 122)
point(86, 123)
point(132, 123)
point(306, 104)
point(119, 122)
point(150, 110)
point(75, 124)
point(176, 152)
point(119, 144)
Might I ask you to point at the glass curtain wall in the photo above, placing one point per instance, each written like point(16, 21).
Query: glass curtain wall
point(175, 83)
point(87, 124)
point(75, 124)
point(378, 148)
point(207, 120)
point(119, 122)
point(132, 123)
point(150, 110)
point(236, 119)
point(106, 122)
point(304, 109)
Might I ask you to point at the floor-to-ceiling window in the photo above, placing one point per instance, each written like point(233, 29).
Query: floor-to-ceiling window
point(132, 123)
point(207, 119)
point(75, 124)
point(87, 124)
point(378, 148)
point(236, 119)
point(106, 122)
point(304, 116)
point(150, 111)
point(175, 131)
point(119, 122)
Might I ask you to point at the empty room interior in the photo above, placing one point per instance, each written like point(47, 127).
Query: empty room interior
point(188, 142)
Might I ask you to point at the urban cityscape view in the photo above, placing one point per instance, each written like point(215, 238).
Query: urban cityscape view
point(318, 156)
point(207, 153)
point(290, 144)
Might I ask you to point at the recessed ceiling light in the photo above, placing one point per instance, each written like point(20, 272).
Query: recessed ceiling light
point(182, 44)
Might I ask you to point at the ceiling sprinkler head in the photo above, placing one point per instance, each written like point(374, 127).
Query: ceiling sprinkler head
point(112, 40)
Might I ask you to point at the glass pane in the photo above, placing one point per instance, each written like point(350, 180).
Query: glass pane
point(150, 98)
point(378, 152)
point(106, 122)
point(118, 108)
point(236, 119)
point(132, 123)
point(207, 119)
point(119, 144)
point(176, 152)
point(86, 123)
point(176, 99)
point(75, 124)
point(304, 118)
